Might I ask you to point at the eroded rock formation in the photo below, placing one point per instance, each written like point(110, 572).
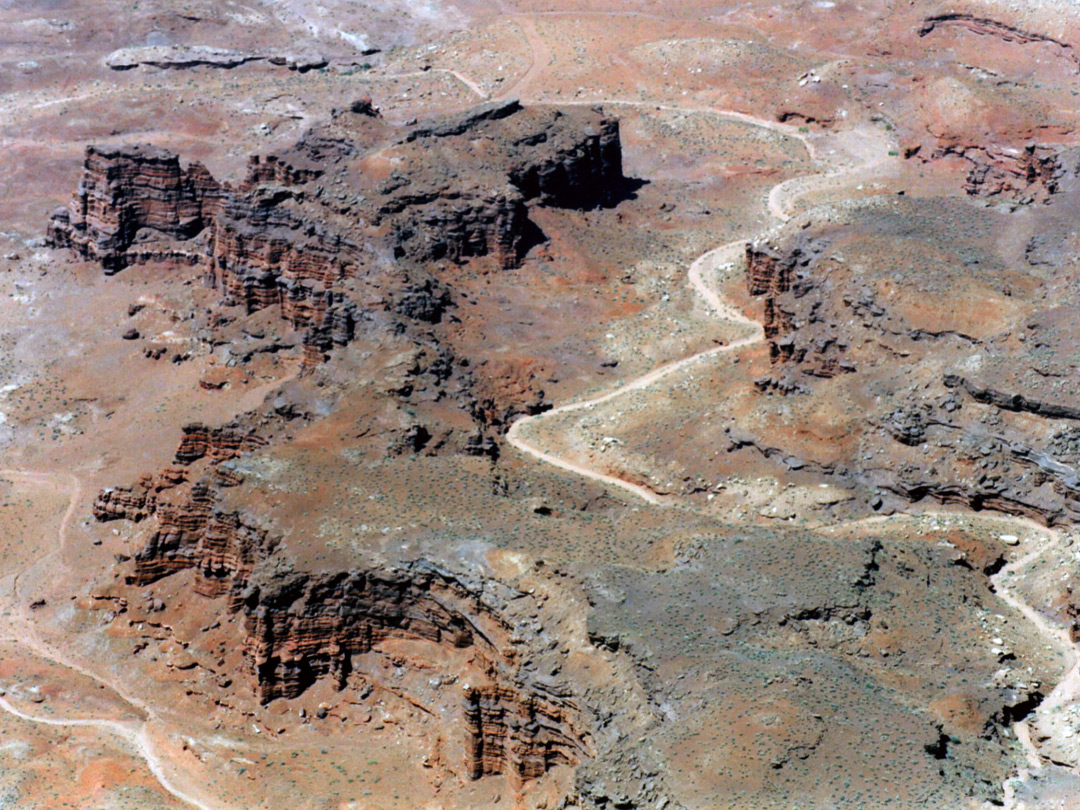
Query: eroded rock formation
point(300, 627)
point(316, 229)
point(970, 420)
point(191, 531)
point(180, 57)
point(779, 275)
point(221, 546)
point(988, 27)
point(1030, 173)
point(303, 627)
point(217, 444)
point(770, 273)
point(127, 189)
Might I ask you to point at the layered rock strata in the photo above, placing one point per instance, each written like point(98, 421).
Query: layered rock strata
point(299, 627)
point(355, 230)
point(359, 226)
point(347, 222)
point(1030, 174)
point(981, 414)
point(775, 274)
point(988, 27)
point(304, 627)
point(221, 546)
point(126, 189)
point(217, 444)
point(1017, 174)
point(192, 532)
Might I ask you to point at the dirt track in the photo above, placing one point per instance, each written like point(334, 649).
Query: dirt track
point(780, 201)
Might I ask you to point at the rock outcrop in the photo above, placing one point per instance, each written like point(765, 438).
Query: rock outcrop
point(300, 627)
point(191, 531)
point(359, 231)
point(1027, 175)
point(981, 414)
point(216, 444)
point(769, 273)
point(126, 189)
point(522, 736)
point(313, 230)
point(222, 547)
point(1020, 174)
point(778, 275)
point(138, 501)
point(304, 627)
point(431, 226)
point(988, 27)
point(1012, 400)
point(179, 57)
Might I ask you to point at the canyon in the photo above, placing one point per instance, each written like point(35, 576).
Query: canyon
point(480, 405)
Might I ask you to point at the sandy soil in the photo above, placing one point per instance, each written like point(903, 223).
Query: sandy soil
point(723, 109)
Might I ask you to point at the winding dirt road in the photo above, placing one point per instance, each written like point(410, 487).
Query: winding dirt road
point(780, 202)
point(712, 259)
point(1067, 689)
point(473, 87)
point(134, 732)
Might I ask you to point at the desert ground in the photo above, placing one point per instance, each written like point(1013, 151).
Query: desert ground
point(416, 404)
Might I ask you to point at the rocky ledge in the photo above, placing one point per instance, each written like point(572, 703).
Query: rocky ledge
point(323, 228)
point(491, 652)
point(304, 627)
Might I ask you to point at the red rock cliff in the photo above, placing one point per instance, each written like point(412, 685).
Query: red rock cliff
point(306, 222)
point(126, 189)
point(304, 627)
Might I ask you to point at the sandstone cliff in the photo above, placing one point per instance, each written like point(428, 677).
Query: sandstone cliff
point(301, 627)
point(191, 531)
point(358, 232)
point(304, 627)
point(126, 189)
point(324, 232)
point(779, 275)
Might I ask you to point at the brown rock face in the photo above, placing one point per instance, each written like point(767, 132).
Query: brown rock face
point(507, 389)
point(317, 245)
point(521, 737)
point(191, 531)
point(1066, 604)
point(216, 444)
point(456, 229)
point(126, 189)
point(777, 274)
point(302, 627)
point(770, 273)
point(577, 174)
point(1032, 173)
point(222, 547)
point(359, 226)
point(272, 170)
point(139, 501)
point(988, 27)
